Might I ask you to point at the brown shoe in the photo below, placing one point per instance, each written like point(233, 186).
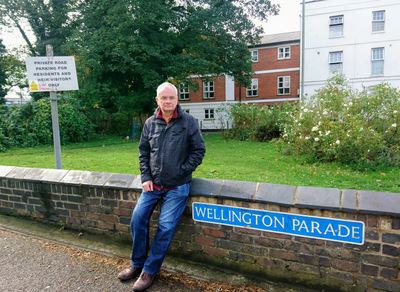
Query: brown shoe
point(144, 282)
point(129, 273)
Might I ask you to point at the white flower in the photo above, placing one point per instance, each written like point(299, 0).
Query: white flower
point(319, 123)
point(395, 112)
point(307, 138)
point(325, 113)
point(314, 129)
point(327, 133)
point(316, 139)
point(299, 124)
point(394, 125)
point(344, 104)
point(305, 110)
point(338, 142)
point(350, 103)
point(285, 135)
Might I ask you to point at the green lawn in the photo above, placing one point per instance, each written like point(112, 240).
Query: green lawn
point(231, 160)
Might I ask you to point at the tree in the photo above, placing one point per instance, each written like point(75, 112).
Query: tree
point(3, 75)
point(126, 48)
point(51, 22)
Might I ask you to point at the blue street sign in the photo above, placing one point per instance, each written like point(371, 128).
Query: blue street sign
point(332, 229)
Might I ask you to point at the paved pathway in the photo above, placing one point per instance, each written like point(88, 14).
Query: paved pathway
point(39, 257)
point(29, 264)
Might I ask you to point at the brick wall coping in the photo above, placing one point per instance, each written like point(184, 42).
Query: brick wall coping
point(353, 201)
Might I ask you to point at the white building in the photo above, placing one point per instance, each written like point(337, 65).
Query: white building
point(359, 38)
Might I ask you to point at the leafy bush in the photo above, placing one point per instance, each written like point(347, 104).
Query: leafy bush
point(30, 124)
point(3, 118)
point(251, 122)
point(345, 125)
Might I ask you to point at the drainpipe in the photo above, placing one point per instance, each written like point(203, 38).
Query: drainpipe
point(303, 22)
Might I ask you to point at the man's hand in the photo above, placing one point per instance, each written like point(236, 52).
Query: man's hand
point(148, 186)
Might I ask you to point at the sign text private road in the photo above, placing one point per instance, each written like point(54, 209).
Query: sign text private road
point(51, 74)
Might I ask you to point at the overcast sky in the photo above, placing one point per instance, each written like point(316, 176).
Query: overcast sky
point(288, 19)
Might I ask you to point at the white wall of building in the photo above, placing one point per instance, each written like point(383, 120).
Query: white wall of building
point(357, 42)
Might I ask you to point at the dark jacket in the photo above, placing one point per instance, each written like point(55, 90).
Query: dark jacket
point(168, 154)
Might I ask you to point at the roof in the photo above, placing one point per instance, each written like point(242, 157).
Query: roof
point(280, 37)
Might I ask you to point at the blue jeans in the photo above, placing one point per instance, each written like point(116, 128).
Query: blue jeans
point(173, 204)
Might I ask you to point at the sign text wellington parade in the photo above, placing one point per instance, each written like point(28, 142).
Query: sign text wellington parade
point(348, 231)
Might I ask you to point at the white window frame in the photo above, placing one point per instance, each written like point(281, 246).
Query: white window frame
point(209, 113)
point(208, 90)
point(335, 60)
point(283, 85)
point(283, 53)
point(377, 57)
point(184, 92)
point(252, 91)
point(378, 21)
point(335, 22)
point(254, 55)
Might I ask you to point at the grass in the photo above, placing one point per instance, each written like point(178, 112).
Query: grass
point(225, 159)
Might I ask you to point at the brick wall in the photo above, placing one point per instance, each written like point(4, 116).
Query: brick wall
point(102, 203)
point(197, 96)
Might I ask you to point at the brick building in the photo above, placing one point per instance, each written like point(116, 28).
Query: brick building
point(276, 66)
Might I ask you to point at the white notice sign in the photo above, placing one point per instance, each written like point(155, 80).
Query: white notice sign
point(51, 74)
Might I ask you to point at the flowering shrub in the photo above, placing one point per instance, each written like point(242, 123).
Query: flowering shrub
point(251, 122)
point(341, 124)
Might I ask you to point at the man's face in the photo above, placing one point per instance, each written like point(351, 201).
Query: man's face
point(167, 100)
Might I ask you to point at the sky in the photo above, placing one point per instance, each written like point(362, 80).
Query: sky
point(288, 19)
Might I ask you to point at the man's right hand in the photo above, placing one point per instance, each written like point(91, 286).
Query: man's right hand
point(148, 186)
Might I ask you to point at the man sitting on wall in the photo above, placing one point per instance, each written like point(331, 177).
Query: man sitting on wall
point(171, 148)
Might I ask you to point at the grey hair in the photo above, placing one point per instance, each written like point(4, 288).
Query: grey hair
point(165, 85)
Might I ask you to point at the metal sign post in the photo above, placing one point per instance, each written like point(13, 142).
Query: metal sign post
point(54, 118)
point(52, 74)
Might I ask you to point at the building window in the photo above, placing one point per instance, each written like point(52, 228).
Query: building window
point(335, 63)
point(209, 113)
point(183, 91)
point(378, 21)
point(284, 53)
point(208, 87)
point(253, 89)
point(283, 85)
point(254, 55)
point(336, 26)
point(377, 61)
